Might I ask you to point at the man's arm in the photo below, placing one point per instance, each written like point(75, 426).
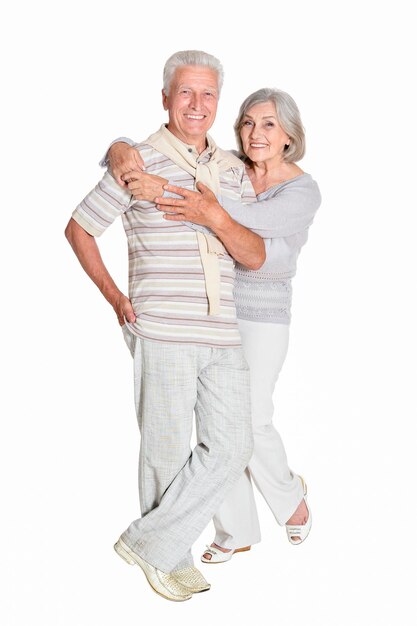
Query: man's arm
point(88, 254)
point(95, 213)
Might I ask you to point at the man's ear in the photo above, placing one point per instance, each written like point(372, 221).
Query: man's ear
point(164, 100)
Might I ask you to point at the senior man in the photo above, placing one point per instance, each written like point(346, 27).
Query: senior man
point(179, 322)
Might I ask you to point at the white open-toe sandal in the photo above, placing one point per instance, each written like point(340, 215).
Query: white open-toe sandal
point(217, 556)
point(300, 531)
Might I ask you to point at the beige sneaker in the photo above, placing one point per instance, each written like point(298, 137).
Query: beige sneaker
point(164, 584)
point(192, 579)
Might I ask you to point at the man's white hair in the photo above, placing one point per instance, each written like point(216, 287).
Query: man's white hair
point(191, 57)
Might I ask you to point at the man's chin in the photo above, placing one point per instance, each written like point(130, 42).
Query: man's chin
point(196, 132)
point(196, 128)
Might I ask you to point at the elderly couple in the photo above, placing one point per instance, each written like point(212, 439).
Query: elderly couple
point(213, 240)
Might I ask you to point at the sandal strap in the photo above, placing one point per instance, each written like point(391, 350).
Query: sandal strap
point(294, 530)
point(212, 551)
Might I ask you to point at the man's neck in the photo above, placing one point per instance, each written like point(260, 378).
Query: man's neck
point(200, 143)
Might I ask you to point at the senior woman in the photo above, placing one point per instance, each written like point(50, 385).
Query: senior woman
point(271, 140)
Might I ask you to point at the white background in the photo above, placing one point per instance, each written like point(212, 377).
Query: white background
point(77, 75)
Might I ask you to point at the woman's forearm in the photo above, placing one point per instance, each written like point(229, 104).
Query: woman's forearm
point(288, 213)
point(242, 244)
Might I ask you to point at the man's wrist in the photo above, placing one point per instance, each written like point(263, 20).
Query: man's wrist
point(112, 294)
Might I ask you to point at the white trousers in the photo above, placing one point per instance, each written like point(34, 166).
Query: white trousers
point(236, 521)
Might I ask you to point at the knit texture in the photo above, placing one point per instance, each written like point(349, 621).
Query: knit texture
point(282, 215)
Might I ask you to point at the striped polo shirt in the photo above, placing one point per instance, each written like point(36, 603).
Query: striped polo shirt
point(166, 278)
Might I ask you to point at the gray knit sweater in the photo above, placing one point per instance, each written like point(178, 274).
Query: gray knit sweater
point(282, 216)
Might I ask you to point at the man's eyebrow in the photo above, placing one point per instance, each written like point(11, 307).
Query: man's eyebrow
point(185, 86)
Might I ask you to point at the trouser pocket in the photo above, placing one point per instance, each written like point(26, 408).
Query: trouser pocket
point(129, 338)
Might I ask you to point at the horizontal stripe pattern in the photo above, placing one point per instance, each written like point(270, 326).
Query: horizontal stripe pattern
point(166, 278)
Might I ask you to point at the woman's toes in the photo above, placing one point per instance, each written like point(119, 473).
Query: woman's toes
point(300, 515)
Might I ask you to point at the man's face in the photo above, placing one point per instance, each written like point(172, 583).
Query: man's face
point(192, 103)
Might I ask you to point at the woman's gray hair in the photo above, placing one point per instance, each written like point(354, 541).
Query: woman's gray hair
point(288, 117)
point(191, 57)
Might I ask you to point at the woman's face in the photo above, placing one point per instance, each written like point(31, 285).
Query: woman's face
point(262, 137)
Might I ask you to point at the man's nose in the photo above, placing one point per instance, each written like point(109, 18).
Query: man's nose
point(196, 101)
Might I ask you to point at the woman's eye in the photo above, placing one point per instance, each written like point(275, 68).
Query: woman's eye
point(247, 123)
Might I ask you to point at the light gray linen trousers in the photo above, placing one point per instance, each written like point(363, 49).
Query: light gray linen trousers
point(180, 490)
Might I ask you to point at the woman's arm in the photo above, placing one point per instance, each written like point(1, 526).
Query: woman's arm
point(122, 157)
point(128, 169)
point(289, 212)
point(243, 245)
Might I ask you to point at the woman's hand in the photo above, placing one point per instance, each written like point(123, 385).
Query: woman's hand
point(144, 186)
point(122, 159)
point(199, 207)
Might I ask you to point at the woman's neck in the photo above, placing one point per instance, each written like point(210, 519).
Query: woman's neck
point(265, 174)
